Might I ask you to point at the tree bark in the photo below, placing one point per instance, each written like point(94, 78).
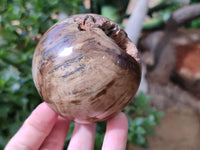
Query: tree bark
point(178, 18)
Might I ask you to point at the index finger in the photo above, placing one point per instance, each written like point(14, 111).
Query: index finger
point(34, 130)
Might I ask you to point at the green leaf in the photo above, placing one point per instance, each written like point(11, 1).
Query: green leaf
point(110, 12)
point(140, 140)
point(4, 110)
point(140, 130)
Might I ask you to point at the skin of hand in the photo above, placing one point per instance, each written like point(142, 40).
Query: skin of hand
point(45, 130)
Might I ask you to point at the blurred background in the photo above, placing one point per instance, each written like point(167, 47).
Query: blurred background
point(165, 113)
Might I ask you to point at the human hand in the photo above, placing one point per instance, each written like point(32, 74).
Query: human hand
point(45, 130)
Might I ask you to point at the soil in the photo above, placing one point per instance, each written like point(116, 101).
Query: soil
point(180, 126)
point(188, 57)
point(188, 67)
point(179, 131)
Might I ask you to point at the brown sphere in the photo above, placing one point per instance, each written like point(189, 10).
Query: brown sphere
point(86, 68)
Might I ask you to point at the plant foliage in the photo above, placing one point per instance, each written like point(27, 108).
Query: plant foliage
point(21, 25)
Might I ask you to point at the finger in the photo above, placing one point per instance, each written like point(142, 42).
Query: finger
point(34, 130)
point(116, 133)
point(83, 137)
point(56, 138)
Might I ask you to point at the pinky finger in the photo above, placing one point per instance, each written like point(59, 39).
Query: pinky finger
point(116, 133)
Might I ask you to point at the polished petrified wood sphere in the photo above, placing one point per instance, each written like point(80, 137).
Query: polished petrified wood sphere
point(86, 68)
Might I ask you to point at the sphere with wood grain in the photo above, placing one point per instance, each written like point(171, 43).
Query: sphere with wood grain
point(86, 69)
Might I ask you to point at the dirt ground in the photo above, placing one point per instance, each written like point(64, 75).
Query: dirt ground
point(178, 99)
point(178, 131)
point(180, 126)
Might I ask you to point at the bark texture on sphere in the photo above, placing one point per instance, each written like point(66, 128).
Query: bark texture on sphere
point(86, 68)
